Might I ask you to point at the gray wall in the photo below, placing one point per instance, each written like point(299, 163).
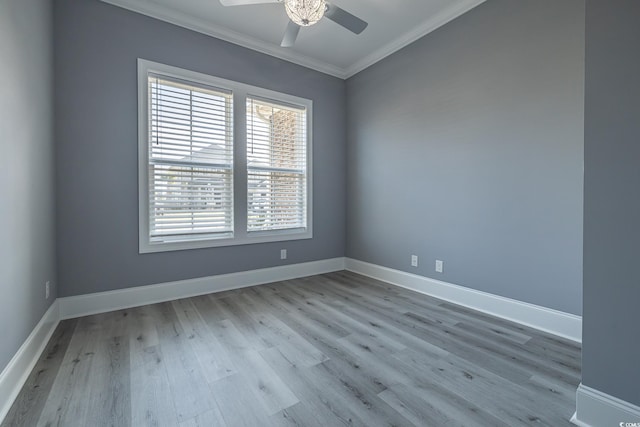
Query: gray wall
point(27, 257)
point(611, 199)
point(96, 135)
point(467, 146)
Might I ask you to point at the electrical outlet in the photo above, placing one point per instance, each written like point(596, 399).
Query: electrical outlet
point(414, 260)
point(439, 266)
point(47, 290)
point(283, 254)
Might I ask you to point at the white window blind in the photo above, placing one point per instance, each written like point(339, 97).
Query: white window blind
point(190, 161)
point(276, 166)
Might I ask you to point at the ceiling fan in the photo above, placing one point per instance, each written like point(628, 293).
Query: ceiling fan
point(304, 13)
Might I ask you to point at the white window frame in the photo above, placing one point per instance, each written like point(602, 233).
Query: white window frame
point(240, 92)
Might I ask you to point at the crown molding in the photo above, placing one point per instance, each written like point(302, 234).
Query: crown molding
point(178, 18)
point(429, 25)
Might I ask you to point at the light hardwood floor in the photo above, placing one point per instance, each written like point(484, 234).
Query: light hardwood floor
point(330, 350)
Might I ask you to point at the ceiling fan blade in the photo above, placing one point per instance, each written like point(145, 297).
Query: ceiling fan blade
point(344, 18)
point(243, 2)
point(290, 34)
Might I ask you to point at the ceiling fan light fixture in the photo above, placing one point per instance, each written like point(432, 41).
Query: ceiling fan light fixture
point(305, 12)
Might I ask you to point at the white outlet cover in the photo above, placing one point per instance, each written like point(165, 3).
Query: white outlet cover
point(439, 266)
point(283, 254)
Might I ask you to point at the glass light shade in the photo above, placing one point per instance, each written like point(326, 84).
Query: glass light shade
point(305, 12)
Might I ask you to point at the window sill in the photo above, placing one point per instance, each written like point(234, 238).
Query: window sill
point(251, 238)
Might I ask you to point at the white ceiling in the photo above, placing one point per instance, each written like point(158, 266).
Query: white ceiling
point(326, 46)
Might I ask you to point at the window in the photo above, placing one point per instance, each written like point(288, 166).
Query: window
point(276, 163)
point(220, 163)
point(190, 161)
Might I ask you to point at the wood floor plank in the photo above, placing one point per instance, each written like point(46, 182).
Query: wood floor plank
point(151, 398)
point(491, 355)
point(302, 415)
point(306, 305)
point(485, 388)
point(274, 393)
point(212, 418)
point(189, 388)
point(286, 299)
point(215, 363)
point(338, 349)
point(458, 309)
point(152, 402)
point(30, 402)
point(258, 336)
point(494, 353)
point(441, 311)
point(319, 393)
point(287, 340)
point(66, 404)
point(548, 348)
point(109, 381)
point(433, 405)
point(388, 325)
point(378, 376)
point(355, 391)
point(358, 326)
point(238, 403)
point(560, 394)
point(303, 354)
point(377, 364)
point(142, 331)
point(270, 390)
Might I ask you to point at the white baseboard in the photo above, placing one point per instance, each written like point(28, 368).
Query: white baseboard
point(102, 302)
point(545, 319)
point(595, 408)
point(17, 371)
